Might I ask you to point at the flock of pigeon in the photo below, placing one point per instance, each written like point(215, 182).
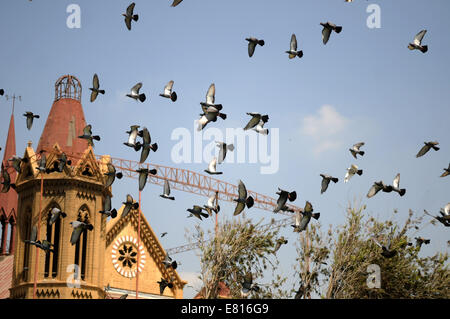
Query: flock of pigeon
point(210, 113)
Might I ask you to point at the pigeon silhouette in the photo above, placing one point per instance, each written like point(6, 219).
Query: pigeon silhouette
point(352, 170)
point(355, 149)
point(87, 135)
point(242, 200)
point(55, 213)
point(95, 88)
point(328, 27)
point(197, 211)
point(427, 147)
point(30, 117)
point(135, 93)
point(130, 16)
point(78, 228)
point(293, 48)
point(132, 136)
point(446, 171)
point(147, 146)
point(252, 42)
point(326, 181)
point(143, 175)
point(111, 175)
point(417, 42)
point(168, 93)
point(166, 191)
point(128, 205)
point(107, 208)
point(283, 196)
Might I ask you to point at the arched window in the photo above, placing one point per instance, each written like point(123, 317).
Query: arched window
point(81, 245)
point(11, 232)
point(53, 236)
point(27, 225)
point(3, 233)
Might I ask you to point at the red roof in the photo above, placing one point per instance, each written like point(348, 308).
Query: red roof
point(8, 201)
point(65, 121)
point(6, 274)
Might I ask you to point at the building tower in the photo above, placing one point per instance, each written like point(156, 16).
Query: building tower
point(71, 271)
point(8, 216)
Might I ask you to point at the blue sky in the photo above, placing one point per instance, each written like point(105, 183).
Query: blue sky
point(364, 85)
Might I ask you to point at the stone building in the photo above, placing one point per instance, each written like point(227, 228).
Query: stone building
point(104, 263)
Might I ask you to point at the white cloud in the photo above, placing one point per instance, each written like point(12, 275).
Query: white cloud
point(326, 128)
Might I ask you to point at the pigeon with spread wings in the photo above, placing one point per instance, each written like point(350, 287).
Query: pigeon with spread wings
point(303, 217)
point(168, 93)
point(427, 147)
point(446, 171)
point(352, 170)
point(356, 149)
point(87, 135)
point(111, 174)
point(293, 48)
point(166, 191)
point(129, 204)
point(242, 200)
point(129, 16)
point(135, 93)
point(147, 146)
point(328, 27)
point(254, 121)
point(252, 42)
point(197, 211)
point(283, 197)
point(326, 181)
point(55, 214)
point(95, 88)
point(143, 174)
point(30, 117)
point(417, 42)
point(107, 209)
point(78, 229)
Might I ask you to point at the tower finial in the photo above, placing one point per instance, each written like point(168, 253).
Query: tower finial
point(14, 97)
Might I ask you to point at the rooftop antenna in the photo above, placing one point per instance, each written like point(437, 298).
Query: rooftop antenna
point(13, 98)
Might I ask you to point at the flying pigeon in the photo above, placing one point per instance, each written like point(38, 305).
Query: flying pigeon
point(248, 286)
point(242, 200)
point(396, 186)
point(143, 174)
point(255, 120)
point(445, 216)
point(6, 181)
point(293, 49)
point(169, 263)
point(111, 174)
point(54, 215)
point(283, 197)
point(326, 180)
point(164, 283)
point(107, 211)
point(44, 245)
point(197, 211)
point(87, 135)
point(302, 221)
point(130, 16)
point(147, 146)
point(211, 98)
point(17, 162)
point(78, 228)
point(387, 252)
point(420, 241)
point(328, 27)
point(260, 128)
point(128, 205)
point(427, 147)
point(124, 296)
point(135, 93)
point(2, 92)
point(163, 234)
point(223, 148)
point(133, 134)
point(352, 170)
point(43, 163)
point(30, 117)
point(446, 171)
point(252, 42)
point(212, 167)
point(378, 186)
point(210, 206)
point(166, 191)
point(168, 93)
point(58, 166)
point(280, 241)
point(417, 42)
point(355, 149)
point(95, 88)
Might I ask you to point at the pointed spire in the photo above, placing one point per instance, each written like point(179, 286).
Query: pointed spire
point(8, 201)
point(65, 121)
